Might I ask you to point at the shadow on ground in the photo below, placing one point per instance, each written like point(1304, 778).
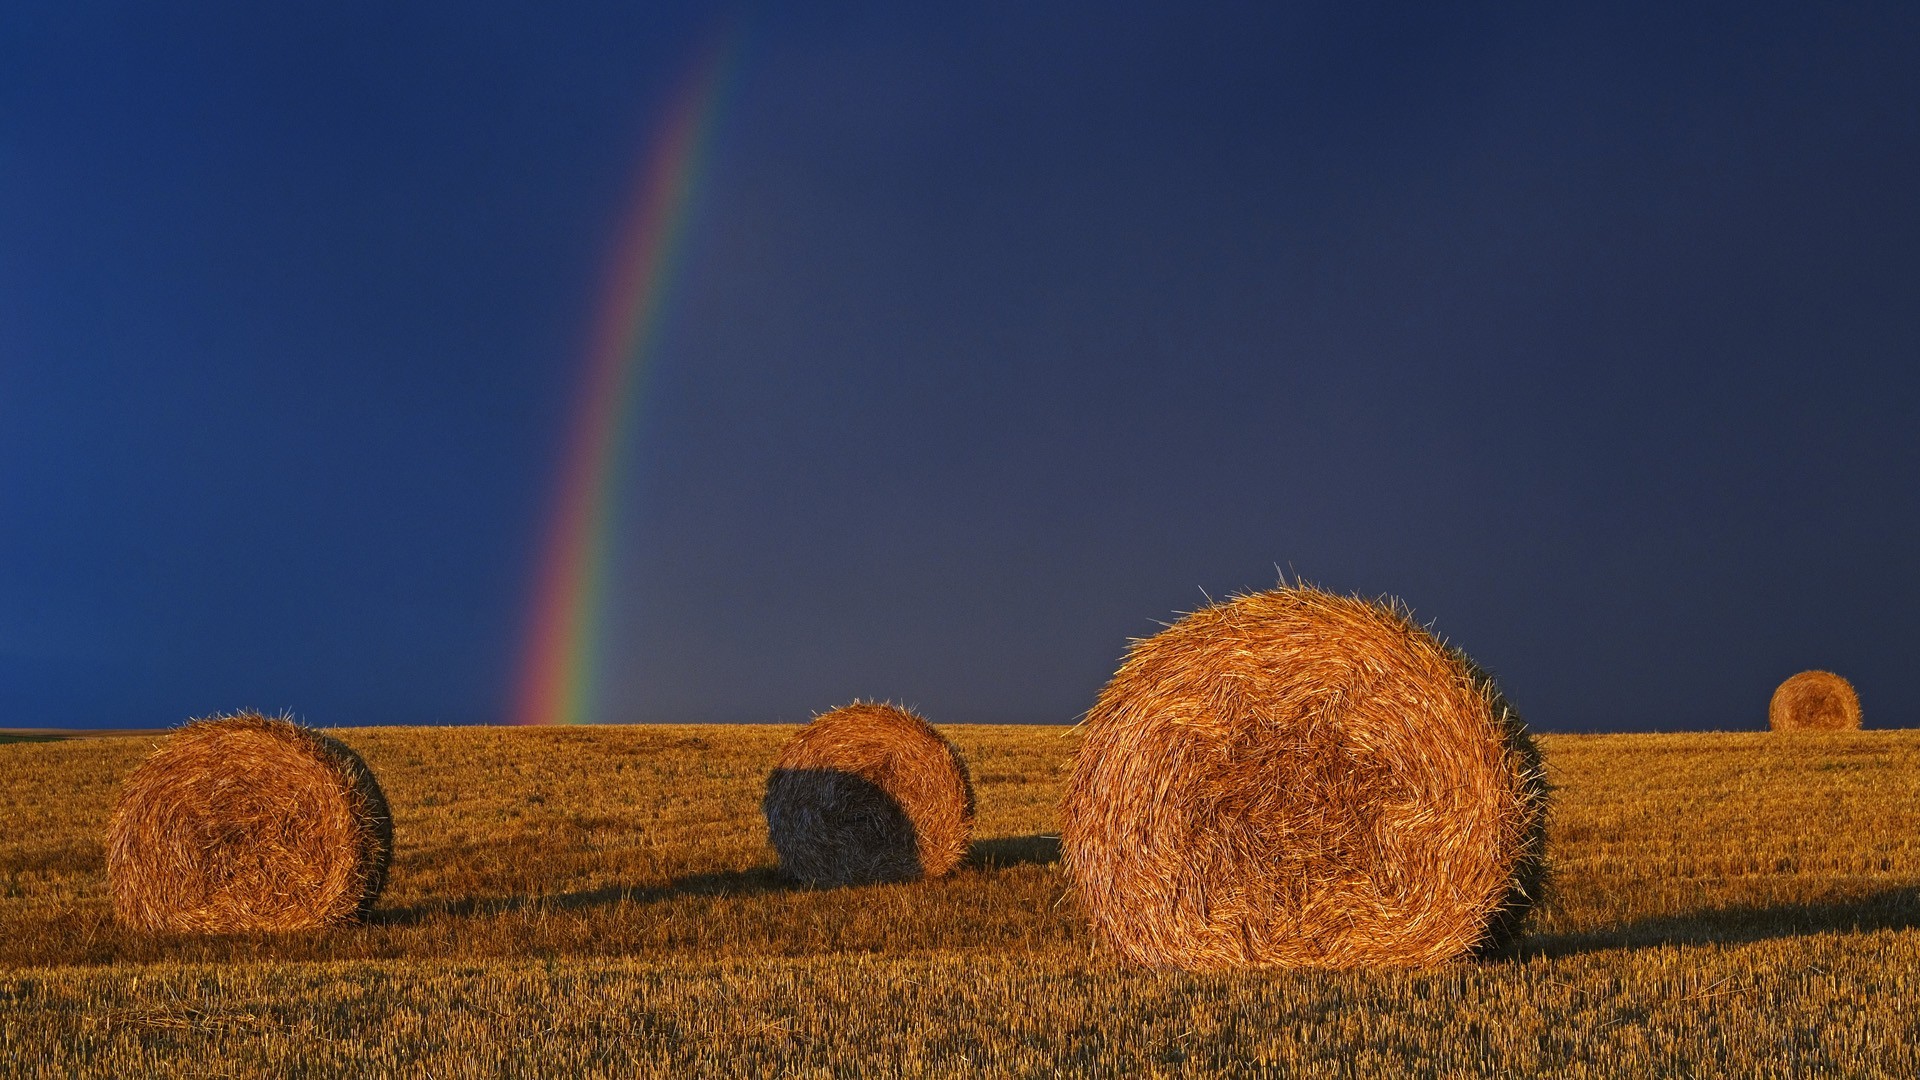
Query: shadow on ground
point(1888, 909)
point(1001, 852)
point(755, 882)
point(998, 853)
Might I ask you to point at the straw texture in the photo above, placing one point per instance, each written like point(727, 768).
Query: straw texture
point(244, 823)
point(868, 793)
point(1814, 701)
point(1295, 778)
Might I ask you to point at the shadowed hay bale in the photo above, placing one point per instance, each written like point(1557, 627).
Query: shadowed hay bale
point(1301, 779)
point(1814, 701)
point(868, 793)
point(243, 823)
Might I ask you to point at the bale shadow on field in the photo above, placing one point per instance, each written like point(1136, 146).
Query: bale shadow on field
point(1887, 909)
point(731, 883)
point(989, 855)
point(1004, 852)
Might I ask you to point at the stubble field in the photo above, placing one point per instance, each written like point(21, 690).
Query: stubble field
point(601, 901)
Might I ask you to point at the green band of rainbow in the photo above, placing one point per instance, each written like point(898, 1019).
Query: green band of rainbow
point(558, 678)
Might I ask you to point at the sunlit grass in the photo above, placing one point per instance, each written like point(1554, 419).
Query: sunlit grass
point(602, 901)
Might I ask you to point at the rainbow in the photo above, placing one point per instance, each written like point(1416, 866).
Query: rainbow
point(557, 678)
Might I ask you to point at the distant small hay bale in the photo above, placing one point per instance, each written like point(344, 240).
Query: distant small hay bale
point(868, 793)
point(243, 823)
point(1814, 701)
point(1293, 778)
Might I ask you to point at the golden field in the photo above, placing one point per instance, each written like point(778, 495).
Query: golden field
point(601, 901)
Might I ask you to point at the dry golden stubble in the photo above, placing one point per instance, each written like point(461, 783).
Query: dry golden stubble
point(243, 823)
point(868, 793)
point(1294, 778)
point(1814, 701)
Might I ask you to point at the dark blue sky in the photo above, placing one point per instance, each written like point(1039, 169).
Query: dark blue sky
point(1001, 334)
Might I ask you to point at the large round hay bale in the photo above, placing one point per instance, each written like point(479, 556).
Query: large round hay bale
point(1814, 701)
point(868, 793)
point(1300, 779)
point(243, 823)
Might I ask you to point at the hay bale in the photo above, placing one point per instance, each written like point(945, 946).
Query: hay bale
point(243, 823)
point(1814, 701)
point(1299, 779)
point(868, 793)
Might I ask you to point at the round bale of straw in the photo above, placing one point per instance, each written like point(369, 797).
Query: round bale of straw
point(868, 793)
point(243, 823)
point(1294, 778)
point(1814, 701)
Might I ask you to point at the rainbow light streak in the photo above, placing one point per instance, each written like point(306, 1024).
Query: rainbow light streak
point(558, 677)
